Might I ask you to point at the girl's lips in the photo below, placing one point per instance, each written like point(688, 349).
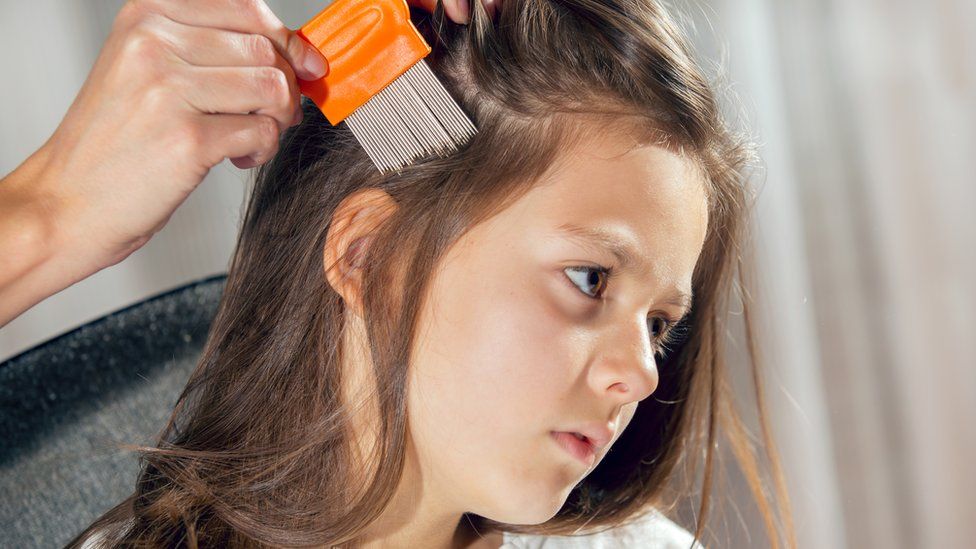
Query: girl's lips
point(582, 450)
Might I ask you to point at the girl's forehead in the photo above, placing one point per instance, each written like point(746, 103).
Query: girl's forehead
point(645, 197)
point(611, 175)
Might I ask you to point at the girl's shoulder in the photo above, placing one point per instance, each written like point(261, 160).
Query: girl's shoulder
point(651, 530)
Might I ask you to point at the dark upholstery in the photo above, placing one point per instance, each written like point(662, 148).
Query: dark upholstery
point(64, 402)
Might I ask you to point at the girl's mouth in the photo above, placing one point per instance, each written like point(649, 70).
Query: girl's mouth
point(576, 445)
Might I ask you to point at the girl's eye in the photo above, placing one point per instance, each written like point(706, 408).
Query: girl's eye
point(664, 331)
point(659, 327)
point(585, 277)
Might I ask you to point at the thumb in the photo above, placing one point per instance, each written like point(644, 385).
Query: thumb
point(457, 10)
point(307, 61)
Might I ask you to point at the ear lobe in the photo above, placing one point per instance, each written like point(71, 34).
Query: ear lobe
point(343, 272)
point(354, 257)
point(349, 236)
point(349, 282)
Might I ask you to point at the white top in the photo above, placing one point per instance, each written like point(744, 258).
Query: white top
point(651, 530)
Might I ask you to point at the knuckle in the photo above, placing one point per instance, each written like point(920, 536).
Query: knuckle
point(262, 49)
point(131, 12)
point(274, 86)
point(190, 137)
point(246, 7)
point(155, 100)
point(136, 12)
point(142, 42)
point(157, 87)
point(184, 140)
point(267, 131)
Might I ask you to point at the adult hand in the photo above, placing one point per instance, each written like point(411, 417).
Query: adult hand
point(179, 86)
point(458, 11)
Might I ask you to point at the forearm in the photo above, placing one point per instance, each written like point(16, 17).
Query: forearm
point(30, 269)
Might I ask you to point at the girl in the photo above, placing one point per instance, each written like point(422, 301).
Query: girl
point(520, 341)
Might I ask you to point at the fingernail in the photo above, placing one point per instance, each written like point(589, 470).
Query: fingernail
point(244, 162)
point(314, 63)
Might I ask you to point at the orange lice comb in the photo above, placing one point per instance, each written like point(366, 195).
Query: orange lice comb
point(380, 85)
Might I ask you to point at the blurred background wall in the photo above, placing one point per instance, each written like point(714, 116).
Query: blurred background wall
point(866, 112)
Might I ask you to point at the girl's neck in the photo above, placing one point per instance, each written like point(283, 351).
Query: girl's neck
point(466, 537)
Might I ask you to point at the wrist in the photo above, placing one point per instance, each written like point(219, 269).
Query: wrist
point(27, 221)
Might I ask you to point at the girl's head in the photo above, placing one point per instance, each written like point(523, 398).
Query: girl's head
point(521, 332)
point(439, 324)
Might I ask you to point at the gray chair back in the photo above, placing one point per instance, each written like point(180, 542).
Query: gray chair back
point(65, 402)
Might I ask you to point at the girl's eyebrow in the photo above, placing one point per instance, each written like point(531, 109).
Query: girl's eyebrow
point(679, 298)
point(623, 249)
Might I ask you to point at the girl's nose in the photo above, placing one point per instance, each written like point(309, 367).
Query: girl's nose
point(627, 368)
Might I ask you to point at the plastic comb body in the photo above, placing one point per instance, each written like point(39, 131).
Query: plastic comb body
point(380, 85)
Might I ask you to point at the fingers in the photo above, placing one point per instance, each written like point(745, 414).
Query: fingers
point(247, 139)
point(233, 72)
point(457, 10)
point(209, 47)
point(261, 90)
point(491, 6)
point(243, 16)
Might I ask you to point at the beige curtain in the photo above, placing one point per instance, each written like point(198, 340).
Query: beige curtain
point(867, 116)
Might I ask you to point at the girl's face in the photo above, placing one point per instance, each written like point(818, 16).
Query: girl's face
point(522, 335)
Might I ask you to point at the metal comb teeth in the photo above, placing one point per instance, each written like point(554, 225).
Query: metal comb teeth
point(413, 116)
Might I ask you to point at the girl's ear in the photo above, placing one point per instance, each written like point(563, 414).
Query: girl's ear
point(350, 233)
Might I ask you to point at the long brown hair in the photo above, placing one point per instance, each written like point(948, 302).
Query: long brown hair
point(258, 451)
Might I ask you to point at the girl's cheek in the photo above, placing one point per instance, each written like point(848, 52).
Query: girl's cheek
point(551, 336)
point(573, 312)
